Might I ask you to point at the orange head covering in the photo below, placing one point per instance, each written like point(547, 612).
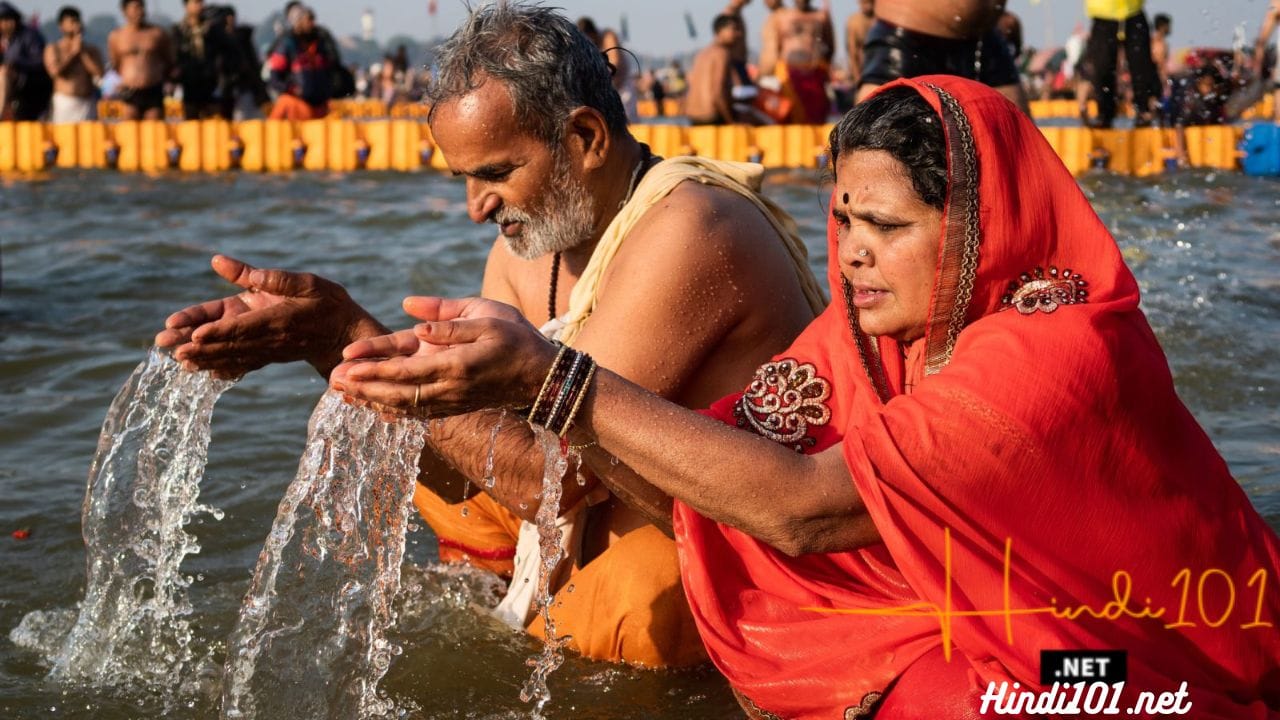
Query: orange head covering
point(1042, 413)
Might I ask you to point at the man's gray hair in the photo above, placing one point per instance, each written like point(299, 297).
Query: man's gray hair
point(549, 68)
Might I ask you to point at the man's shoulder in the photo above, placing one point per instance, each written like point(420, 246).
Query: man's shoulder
point(720, 219)
point(714, 52)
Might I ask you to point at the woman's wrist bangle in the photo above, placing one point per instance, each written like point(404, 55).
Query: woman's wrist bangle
point(563, 390)
point(538, 401)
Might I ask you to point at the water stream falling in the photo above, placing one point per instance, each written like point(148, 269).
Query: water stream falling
point(311, 641)
point(550, 552)
point(131, 628)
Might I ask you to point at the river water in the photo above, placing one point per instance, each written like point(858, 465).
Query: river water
point(93, 263)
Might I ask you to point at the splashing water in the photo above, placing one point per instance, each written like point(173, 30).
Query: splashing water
point(549, 554)
point(489, 480)
point(142, 491)
point(310, 641)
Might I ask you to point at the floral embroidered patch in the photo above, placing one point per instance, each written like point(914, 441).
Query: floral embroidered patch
point(1046, 292)
point(864, 708)
point(784, 400)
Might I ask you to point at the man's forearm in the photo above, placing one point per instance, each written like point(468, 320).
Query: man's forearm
point(462, 447)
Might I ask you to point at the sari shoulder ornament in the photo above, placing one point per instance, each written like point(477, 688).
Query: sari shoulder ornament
point(864, 708)
point(1036, 290)
point(784, 400)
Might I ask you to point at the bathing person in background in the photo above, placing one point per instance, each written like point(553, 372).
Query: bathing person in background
point(1270, 21)
point(1009, 25)
point(1161, 26)
point(75, 67)
point(855, 37)
point(768, 60)
point(595, 247)
point(25, 86)
point(246, 93)
point(803, 43)
point(1114, 20)
point(611, 45)
point(911, 38)
point(143, 56)
point(874, 467)
point(710, 98)
point(1197, 97)
point(739, 51)
point(201, 47)
point(302, 69)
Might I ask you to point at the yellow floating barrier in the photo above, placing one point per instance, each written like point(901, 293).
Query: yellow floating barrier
point(363, 109)
point(406, 144)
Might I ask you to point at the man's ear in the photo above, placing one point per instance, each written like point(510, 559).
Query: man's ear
point(587, 137)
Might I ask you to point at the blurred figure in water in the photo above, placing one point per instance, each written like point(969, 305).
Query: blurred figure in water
point(1270, 21)
point(611, 45)
point(1161, 27)
point(143, 55)
point(76, 67)
point(739, 51)
point(855, 37)
point(302, 69)
point(1114, 22)
point(25, 86)
point(911, 38)
point(803, 44)
point(201, 48)
point(711, 79)
point(246, 93)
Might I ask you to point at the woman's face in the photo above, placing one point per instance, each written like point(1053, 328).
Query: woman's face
point(889, 241)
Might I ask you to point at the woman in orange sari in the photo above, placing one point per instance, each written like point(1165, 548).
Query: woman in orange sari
point(974, 455)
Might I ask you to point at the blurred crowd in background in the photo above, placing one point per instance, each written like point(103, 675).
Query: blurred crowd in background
point(784, 72)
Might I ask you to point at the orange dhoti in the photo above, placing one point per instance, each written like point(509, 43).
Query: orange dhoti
point(625, 605)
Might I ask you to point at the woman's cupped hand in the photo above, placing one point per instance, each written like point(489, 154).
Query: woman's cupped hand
point(468, 354)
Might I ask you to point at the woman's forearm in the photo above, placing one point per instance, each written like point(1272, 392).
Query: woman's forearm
point(796, 503)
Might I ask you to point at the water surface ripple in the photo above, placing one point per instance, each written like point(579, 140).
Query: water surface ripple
point(94, 261)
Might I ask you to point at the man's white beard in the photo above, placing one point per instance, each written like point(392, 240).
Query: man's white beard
point(565, 221)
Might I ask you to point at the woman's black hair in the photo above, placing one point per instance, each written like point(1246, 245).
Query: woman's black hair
point(901, 123)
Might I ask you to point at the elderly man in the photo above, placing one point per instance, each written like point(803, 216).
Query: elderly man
point(676, 272)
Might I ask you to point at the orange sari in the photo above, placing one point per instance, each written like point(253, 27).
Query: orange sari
point(1038, 411)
